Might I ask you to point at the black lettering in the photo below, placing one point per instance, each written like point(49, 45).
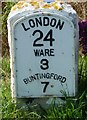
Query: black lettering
point(38, 38)
point(49, 37)
point(63, 80)
point(44, 64)
point(52, 75)
point(40, 76)
point(37, 52)
point(55, 77)
point(59, 77)
point(45, 21)
point(26, 80)
point(43, 75)
point(46, 52)
point(51, 52)
point(31, 78)
point(24, 27)
point(31, 23)
point(38, 21)
point(37, 75)
point(53, 22)
point(34, 77)
point(48, 76)
point(41, 52)
point(45, 86)
point(60, 25)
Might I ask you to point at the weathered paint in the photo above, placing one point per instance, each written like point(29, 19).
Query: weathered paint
point(24, 63)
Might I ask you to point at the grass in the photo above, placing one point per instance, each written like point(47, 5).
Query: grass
point(74, 108)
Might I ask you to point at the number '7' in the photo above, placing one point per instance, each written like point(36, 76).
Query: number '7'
point(46, 84)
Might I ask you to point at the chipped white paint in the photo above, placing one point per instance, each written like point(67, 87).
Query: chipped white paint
point(54, 69)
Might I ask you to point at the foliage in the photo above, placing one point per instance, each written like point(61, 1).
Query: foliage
point(6, 7)
point(83, 36)
point(74, 108)
point(82, 74)
point(80, 7)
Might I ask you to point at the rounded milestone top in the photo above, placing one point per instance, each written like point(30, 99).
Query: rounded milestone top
point(31, 7)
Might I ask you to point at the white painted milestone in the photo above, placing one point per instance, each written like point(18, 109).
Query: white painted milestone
point(43, 49)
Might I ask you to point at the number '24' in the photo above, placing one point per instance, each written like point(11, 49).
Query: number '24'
point(48, 37)
point(44, 62)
